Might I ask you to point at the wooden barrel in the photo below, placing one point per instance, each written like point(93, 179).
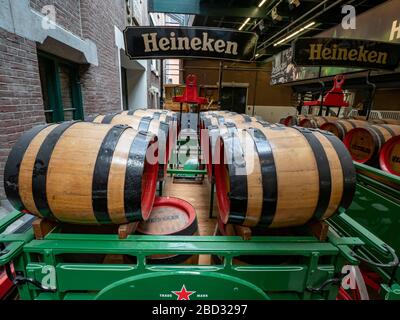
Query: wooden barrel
point(364, 144)
point(209, 138)
point(316, 122)
point(385, 121)
point(389, 158)
point(237, 118)
point(341, 127)
point(294, 120)
point(211, 120)
point(161, 115)
point(211, 152)
point(83, 173)
point(170, 216)
point(281, 177)
point(147, 124)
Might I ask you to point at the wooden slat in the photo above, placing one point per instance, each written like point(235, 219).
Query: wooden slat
point(124, 230)
point(42, 227)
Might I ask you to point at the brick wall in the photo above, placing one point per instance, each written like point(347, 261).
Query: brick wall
point(21, 105)
point(68, 13)
point(21, 102)
point(101, 85)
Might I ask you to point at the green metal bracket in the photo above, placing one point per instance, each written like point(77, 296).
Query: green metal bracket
point(364, 169)
point(9, 219)
point(186, 171)
point(10, 252)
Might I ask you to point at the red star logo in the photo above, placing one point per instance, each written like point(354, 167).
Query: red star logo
point(183, 294)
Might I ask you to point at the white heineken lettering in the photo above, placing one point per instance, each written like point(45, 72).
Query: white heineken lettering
point(150, 41)
point(395, 32)
point(231, 47)
point(173, 41)
point(164, 44)
point(207, 43)
point(181, 41)
point(195, 43)
point(154, 43)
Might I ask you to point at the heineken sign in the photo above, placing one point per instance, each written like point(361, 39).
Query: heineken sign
point(346, 53)
point(191, 42)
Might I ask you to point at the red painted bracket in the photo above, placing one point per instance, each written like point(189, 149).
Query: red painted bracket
point(190, 94)
point(334, 97)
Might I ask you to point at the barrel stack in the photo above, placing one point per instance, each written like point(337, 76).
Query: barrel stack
point(83, 173)
point(364, 139)
point(365, 143)
point(145, 123)
point(341, 127)
point(255, 183)
point(102, 171)
point(213, 124)
point(253, 163)
point(389, 158)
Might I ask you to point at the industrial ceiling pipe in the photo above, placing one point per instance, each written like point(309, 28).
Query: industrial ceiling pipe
point(268, 42)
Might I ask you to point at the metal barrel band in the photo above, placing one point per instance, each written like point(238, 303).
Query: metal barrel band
point(388, 128)
point(324, 172)
point(101, 173)
point(39, 172)
point(12, 166)
point(268, 176)
point(349, 172)
point(378, 138)
point(144, 124)
point(238, 182)
point(91, 118)
point(108, 118)
point(133, 176)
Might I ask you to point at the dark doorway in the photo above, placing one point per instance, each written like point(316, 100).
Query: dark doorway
point(234, 99)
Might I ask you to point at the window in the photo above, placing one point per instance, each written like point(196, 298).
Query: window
point(61, 89)
point(124, 83)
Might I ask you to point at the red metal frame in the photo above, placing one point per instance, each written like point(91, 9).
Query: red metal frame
point(190, 94)
point(5, 284)
point(334, 97)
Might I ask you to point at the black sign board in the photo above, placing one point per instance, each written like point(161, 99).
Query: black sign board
point(346, 53)
point(189, 42)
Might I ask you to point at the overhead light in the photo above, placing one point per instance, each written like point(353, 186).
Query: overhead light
point(294, 34)
point(244, 23)
point(293, 4)
point(262, 3)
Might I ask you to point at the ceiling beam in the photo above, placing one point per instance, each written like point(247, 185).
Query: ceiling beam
point(198, 7)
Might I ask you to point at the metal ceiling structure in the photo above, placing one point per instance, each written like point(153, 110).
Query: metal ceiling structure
point(272, 20)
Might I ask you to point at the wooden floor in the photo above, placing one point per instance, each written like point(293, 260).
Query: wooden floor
point(198, 195)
